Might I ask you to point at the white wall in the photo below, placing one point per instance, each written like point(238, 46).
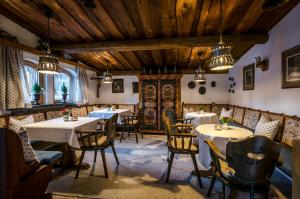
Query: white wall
point(128, 97)
point(218, 94)
point(24, 36)
point(268, 94)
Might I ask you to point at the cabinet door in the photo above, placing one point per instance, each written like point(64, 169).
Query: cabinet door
point(150, 104)
point(168, 99)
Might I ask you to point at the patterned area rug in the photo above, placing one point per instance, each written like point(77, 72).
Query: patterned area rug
point(141, 174)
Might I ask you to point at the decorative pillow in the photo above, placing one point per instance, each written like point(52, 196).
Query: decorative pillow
point(267, 128)
point(225, 113)
point(291, 131)
point(95, 108)
point(28, 151)
point(16, 125)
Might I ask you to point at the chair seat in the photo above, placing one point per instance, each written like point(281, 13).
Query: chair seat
point(178, 145)
point(49, 157)
point(101, 140)
point(226, 170)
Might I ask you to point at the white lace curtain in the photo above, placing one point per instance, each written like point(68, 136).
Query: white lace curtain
point(82, 94)
point(12, 94)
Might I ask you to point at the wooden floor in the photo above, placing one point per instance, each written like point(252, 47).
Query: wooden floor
point(141, 174)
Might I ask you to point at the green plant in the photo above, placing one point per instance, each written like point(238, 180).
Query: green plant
point(64, 89)
point(36, 88)
point(226, 120)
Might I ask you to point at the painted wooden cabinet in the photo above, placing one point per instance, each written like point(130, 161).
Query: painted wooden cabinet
point(158, 93)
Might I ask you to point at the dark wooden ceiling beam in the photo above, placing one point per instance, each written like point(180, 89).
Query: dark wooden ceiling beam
point(155, 44)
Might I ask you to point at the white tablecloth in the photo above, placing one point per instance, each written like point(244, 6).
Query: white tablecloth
point(202, 118)
point(106, 114)
point(220, 138)
point(57, 130)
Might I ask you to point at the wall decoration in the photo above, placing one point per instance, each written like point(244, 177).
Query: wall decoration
point(232, 85)
point(202, 83)
point(263, 64)
point(291, 68)
point(191, 84)
point(118, 86)
point(135, 87)
point(202, 90)
point(213, 84)
point(248, 77)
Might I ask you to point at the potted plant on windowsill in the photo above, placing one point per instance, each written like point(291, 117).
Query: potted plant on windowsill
point(36, 89)
point(64, 91)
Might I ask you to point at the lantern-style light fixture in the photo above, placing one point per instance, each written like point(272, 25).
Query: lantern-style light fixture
point(48, 62)
point(199, 74)
point(221, 54)
point(107, 77)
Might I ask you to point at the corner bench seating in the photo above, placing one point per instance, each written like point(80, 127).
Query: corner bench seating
point(52, 113)
point(289, 128)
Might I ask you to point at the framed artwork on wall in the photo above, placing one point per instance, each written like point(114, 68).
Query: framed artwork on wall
point(118, 86)
point(249, 77)
point(135, 87)
point(291, 68)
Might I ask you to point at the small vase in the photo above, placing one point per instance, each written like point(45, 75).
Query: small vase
point(225, 126)
point(64, 97)
point(36, 98)
point(66, 118)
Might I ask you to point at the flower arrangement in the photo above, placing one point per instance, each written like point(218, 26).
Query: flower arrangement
point(226, 120)
point(65, 112)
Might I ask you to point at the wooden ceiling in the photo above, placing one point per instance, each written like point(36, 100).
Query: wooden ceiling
point(130, 34)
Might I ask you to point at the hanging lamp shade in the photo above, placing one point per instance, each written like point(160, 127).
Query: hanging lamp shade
point(199, 75)
point(107, 78)
point(221, 57)
point(48, 63)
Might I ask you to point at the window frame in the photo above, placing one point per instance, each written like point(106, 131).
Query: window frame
point(69, 74)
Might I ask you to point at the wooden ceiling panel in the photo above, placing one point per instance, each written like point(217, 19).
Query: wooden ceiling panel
point(156, 32)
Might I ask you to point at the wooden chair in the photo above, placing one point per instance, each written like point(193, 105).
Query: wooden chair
point(178, 121)
point(180, 141)
point(247, 166)
point(98, 140)
point(19, 179)
point(132, 123)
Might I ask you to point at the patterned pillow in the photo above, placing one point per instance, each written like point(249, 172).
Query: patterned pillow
point(16, 125)
point(28, 151)
point(267, 128)
point(225, 113)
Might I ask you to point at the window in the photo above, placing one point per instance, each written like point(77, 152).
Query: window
point(59, 79)
point(30, 76)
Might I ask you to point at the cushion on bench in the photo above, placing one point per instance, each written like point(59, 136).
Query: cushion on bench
point(48, 157)
point(251, 118)
point(238, 114)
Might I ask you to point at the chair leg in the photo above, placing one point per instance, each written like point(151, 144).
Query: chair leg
point(122, 135)
point(95, 156)
point(223, 190)
point(196, 170)
point(104, 163)
point(170, 166)
point(80, 162)
point(211, 185)
point(252, 191)
point(136, 136)
point(115, 154)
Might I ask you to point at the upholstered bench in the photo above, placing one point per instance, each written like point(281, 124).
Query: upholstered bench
point(49, 157)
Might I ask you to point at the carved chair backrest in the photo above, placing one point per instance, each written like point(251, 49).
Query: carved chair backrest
point(253, 159)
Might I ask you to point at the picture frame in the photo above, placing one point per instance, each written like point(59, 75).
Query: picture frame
point(117, 86)
point(249, 77)
point(291, 68)
point(135, 87)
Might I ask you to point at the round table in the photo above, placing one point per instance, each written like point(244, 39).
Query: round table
point(219, 137)
point(202, 118)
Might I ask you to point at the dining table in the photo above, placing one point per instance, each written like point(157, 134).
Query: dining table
point(108, 113)
point(219, 137)
point(202, 118)
point(59, 130)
